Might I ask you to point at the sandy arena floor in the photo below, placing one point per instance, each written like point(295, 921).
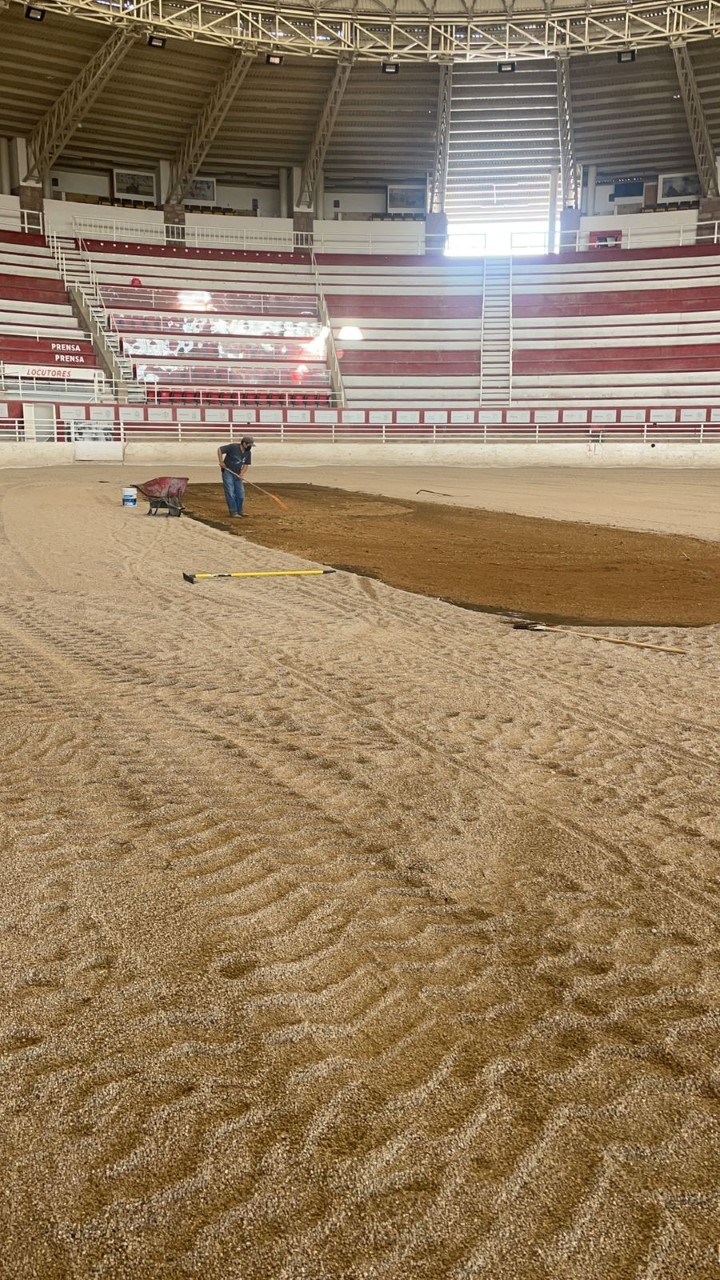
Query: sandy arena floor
point(554, 570)
point(345, 934)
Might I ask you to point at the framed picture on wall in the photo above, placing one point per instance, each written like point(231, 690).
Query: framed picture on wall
point(131, 184)
point(201, 191)
point(406, 197)
point(678, 186)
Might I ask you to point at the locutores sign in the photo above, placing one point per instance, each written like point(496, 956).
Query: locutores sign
point(48, 371)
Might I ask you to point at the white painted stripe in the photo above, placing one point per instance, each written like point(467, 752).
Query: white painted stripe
point(652, 378)
point(24, 307)
point(588, 341)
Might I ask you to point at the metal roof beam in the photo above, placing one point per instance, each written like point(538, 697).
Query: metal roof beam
point(702, 146)
point(442, 141)
point(289, 28)
point(202, 133)
point(312, 167)
point(53, 132)
point(568, 167)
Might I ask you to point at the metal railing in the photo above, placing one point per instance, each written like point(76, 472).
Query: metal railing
point(191, 298)
point(24, 220)
point(332, 356)
point(18, 336)
point(218, 237)
point(197, 325)
point(64, 387)
point(129, 232)
point(285, 432)
point(519, 244)
point(12, 430)
point(186, 346)
point(379, 241)
point(235, 376)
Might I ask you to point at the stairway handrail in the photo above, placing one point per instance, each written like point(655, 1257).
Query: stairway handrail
point(334, 363)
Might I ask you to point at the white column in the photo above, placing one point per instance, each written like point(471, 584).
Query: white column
point(296, 177)
point(4, 167)
point(320, 195)
point(283, 184)
point(591, 184)
point(18, 161)
point(552, 211)
point(162, 180)
point(29, 421)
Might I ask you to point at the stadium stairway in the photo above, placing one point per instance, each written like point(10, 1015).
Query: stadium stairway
point(217, 327)
point(40, 335)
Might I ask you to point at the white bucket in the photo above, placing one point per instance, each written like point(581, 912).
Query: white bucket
point(129, 497)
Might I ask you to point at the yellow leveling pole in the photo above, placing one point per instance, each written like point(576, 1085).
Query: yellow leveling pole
point(259, 573)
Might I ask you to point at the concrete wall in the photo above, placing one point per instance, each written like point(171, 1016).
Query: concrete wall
point(644, 228)
point(353, 203)
point(369, 237)
point(398, 455)
point(235, 225)
point(130, 223)
point(9, 213)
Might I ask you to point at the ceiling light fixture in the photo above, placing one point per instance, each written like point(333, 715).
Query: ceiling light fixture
point(506, 68)
point(156, 42)
point(391, 68)
point(33, 14)
point(274, 59)
point(627, 55)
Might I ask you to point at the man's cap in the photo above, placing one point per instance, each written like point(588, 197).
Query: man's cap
point(247, 440)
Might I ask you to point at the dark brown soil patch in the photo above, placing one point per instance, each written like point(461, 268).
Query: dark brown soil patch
point(554, 570)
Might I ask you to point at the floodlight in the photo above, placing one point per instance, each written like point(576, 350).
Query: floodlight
point(506, 68)
point(156, 42)
point(627, 55)
point(274, 59)
point(391, 68)
point(33, 14)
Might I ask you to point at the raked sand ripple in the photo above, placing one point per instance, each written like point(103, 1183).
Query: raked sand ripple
point(343, 933)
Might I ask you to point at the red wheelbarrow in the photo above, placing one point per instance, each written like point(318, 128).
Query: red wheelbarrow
point(165, 494)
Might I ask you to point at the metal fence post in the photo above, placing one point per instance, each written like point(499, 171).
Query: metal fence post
point(645, 426)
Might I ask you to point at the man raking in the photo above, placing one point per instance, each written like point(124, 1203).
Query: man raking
point(234, 461)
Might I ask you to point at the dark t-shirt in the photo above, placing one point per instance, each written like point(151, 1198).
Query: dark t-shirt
point(235, 456)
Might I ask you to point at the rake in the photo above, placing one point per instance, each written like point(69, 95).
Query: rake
point(589, 635)
point(279, 501)
point(259, 573)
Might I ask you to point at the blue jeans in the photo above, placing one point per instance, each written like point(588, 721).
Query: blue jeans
point(234, 493)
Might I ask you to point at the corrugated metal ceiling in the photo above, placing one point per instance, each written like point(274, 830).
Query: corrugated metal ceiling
point(503, 138)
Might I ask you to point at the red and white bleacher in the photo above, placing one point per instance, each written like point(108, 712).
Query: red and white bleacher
point(637, 326)
point(40, 338)
point(421, 323)
point(633, 328)
point(216, 326)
